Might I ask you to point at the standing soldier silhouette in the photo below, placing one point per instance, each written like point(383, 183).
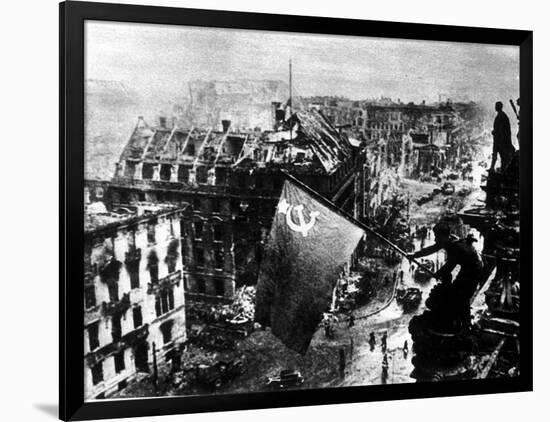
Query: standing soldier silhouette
point(502, 139)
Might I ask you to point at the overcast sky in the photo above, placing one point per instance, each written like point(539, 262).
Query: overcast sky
point(164, 58)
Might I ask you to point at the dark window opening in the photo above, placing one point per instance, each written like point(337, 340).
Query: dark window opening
point(110, 273)
point(141, 357)
point(97, 373)
point(116, 328)
point(113, 292)
point(93, 335)
point(133, 271)
point(151, 232)
point(199, 255)
point(164, 302)
point(199, 228)
point(148, 171)
point(89, 296)
point(216, 205)
point(201, 285)
point(219, 286)
point(197, 204)
point(218, 257)
point(165, 172)
point(158, 309)
point(171, 299)
point(137, 316)
point(166, 330)
point(183, 174)
point(221, 174)
point(202, 174)
point(172, 255)
point(119, 362)
point(218, 232)
point(153, 267)
point(241, 180)
point(130, 169)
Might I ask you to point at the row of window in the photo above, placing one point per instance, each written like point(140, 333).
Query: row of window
point(97, 369)
point(110, 275)
point(120, 364)
point(219, 286)
point(218, 231)
point(164, 303)
point(218, 254)
point(241, 179)
point(116, 328)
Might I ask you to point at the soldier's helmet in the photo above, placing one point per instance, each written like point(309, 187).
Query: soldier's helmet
point(442, 229)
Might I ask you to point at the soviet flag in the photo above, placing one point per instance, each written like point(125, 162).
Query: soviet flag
point(308, 246)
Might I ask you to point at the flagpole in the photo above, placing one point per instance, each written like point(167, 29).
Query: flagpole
point(335, 208)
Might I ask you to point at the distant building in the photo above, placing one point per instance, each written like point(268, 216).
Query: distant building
point(133, 293)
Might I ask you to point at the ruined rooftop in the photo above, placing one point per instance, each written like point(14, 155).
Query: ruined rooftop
point(96, 216)
point(307, 140)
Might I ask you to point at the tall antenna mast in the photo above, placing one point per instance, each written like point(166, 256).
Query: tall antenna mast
point(290, 84)
point(290, 97)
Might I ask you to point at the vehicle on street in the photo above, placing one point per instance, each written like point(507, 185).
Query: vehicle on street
point(219, 373)
point(286, 378)
point(448, 189)
point(409, 298)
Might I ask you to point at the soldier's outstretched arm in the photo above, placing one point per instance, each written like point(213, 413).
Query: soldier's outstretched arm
point(426, 251)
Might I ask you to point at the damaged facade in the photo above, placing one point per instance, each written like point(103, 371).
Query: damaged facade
point(231, 181)
point(133, 294)
point(420, 138)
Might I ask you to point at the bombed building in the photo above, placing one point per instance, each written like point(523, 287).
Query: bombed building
point(420, 138)
point(133, 293)
point(230, 181)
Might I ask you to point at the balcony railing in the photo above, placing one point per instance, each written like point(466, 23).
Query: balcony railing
point(128, 340)
point(117, 307)
point(165, 282)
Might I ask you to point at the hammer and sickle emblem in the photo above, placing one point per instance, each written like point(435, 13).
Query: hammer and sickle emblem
point(302, 227)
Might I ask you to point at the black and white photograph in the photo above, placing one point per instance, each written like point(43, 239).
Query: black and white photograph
point(270, 211)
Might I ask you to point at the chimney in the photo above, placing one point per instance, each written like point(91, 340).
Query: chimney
point(225, 125)
point(162, 122)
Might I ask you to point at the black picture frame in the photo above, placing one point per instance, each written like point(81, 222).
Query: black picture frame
point(71, 125)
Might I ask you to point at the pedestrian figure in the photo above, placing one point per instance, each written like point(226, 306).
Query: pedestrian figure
point(351, 320)
point(327, 330)
point(384, 341)
point(405, 349)
point(385, 367)
point(401, 274)
point(372, 341)
point(342, 365)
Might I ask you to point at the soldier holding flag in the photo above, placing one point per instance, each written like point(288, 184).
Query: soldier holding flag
point(459, 252)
